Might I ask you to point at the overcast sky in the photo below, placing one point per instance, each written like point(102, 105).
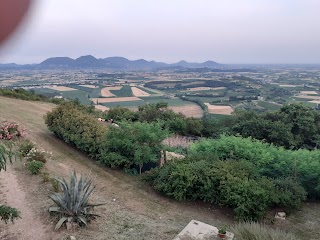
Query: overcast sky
point(226, 31)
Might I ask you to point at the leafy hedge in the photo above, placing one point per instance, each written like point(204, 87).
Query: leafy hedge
point(131, 144)
point(76, 127)
point(235, 184)
point(270, 161)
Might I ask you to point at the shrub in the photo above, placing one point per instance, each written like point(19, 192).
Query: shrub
point(256, 231)
point(35, 166)
point(37, 155)
point(72, 205)
point(8, 214)
point(270, 161)
point(45, 177)
point(73, 124)
point(289, 193)
point(25, 147)
point(236, 184)
point(55, 184)
point(132, 144)
point(11, 130)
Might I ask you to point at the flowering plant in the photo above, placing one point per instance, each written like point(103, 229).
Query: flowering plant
point(11, 130)
point(39, 155)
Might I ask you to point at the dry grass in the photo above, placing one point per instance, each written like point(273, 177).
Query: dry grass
point(219, 109)
point(116, 99)
point(177, 141)
point(188, 110)
point(62, 88)
point(138, 92)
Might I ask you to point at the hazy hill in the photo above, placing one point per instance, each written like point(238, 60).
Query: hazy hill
point(113, 63)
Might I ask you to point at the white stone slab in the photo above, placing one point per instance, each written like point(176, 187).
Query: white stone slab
point(197, 230)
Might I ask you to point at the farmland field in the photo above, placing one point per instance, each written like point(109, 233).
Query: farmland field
point(105, 92)
point(219, 109)
point(62, 88)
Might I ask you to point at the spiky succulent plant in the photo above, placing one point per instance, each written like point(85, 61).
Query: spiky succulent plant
point(72, 204)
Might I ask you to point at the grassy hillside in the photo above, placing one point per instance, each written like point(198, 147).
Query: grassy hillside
point(132, 211)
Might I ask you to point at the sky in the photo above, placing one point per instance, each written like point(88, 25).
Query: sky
point(226, 31)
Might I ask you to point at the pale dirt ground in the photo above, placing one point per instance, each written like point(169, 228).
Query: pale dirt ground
point(61, 88)
point(219, 109)
point(308, 97)
point(139, 93)
point(203, 89)
point(315, 101)
point(102, 108)
point(89, 86)
point(105, 92)
point(133, 210)
point(188, 110)
point(115, 99)
point(287, 85)
point(308, 92)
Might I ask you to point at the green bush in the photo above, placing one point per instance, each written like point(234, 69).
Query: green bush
point(256, 231)
point(289, 193)
point(236, 184)
point(270, 161)
point(25, 147)
point(73, 124)
point(8, 214)
point(132, 144)
point(35, 166)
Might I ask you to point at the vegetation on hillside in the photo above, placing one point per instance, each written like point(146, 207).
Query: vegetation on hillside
point(238, 171)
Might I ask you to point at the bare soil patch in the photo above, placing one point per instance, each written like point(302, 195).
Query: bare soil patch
point(62, 88)
point(219, 109)
point(138, 92)
point(102, 108)
point(203, 89)
point(308, 97)
point(188, 110)
point(89, 86)
point(105, 92)
point(308, 92)
point(116, 99)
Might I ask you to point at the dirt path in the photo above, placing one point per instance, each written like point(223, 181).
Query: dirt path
point(14, 196)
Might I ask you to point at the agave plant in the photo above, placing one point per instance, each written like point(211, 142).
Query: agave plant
point(72, 204)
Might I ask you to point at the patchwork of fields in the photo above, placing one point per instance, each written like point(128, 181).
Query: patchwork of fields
point(191, 97)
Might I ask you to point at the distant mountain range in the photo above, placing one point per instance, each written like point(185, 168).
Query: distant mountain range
point(113, 63)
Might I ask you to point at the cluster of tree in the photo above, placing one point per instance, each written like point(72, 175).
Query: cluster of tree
point(293, 126)
point(197, 101)
point(180, 86)
point(243, 98)
point(159, 112)
point(247, 175)
point(127, 146)
point(20, 93)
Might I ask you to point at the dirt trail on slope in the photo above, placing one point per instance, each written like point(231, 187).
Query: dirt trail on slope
point(29, 227)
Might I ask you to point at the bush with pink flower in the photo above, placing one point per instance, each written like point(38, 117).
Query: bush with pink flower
point(11, 130)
